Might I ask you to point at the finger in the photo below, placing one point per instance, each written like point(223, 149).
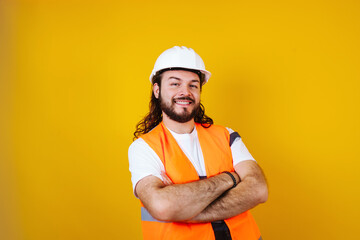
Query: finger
point(166, 179)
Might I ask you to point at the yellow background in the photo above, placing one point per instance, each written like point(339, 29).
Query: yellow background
point(74, 82)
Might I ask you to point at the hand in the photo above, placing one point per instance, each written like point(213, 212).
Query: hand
point(166, 180)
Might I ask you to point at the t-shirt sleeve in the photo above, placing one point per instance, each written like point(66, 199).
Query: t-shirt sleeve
point(143, 162)
point(238, 150)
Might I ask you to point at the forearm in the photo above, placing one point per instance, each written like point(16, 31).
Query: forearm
point(179, 202)
point(246, 195)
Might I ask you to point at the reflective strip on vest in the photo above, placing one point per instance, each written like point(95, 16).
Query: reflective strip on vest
point(146, 216)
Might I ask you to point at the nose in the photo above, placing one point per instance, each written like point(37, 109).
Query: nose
point(185, 91)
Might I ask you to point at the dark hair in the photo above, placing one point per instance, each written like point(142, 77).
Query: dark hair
point(154, 117)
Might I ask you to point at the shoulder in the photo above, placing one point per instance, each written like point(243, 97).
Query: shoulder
point(213, 128)
point(149, 143)
point(154, 135)
point(226, 130)
point(140, 152)
point(138, 145)
point(218, 130)
point(142, 148)
point(215, 132)
point(230, 130)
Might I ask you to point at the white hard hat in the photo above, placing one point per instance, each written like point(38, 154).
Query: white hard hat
point(180, 57)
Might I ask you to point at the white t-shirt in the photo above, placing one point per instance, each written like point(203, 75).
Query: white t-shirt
point(143, 161)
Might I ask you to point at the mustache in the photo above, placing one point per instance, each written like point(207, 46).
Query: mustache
point(184, 98)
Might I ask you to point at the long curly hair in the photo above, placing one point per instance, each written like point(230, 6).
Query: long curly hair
point(154, 117)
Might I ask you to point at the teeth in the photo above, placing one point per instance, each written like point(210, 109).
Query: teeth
point(180, 102)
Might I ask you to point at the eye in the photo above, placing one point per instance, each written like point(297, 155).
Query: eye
point(174, 84)
point(194, 86)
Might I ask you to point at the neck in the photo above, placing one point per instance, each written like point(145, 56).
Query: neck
point(177, 127)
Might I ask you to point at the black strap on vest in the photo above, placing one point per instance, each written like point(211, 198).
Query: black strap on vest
point(221, 230)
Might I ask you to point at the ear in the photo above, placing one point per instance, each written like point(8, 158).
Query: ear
point(156, 90)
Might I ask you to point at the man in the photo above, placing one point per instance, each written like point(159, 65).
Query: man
point(195, 180)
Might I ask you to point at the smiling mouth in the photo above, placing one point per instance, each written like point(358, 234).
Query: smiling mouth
point(183, 101)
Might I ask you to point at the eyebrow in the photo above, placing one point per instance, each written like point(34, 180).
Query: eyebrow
point(176, 78)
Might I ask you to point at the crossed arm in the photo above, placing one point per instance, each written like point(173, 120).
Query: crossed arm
point(251, 191)
point(204, 200)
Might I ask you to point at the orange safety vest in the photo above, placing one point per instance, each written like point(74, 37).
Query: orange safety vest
point(214, 142)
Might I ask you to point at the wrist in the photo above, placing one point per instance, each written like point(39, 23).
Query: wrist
point(232, 178)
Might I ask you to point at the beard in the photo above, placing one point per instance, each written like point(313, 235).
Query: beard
point(184, 116)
